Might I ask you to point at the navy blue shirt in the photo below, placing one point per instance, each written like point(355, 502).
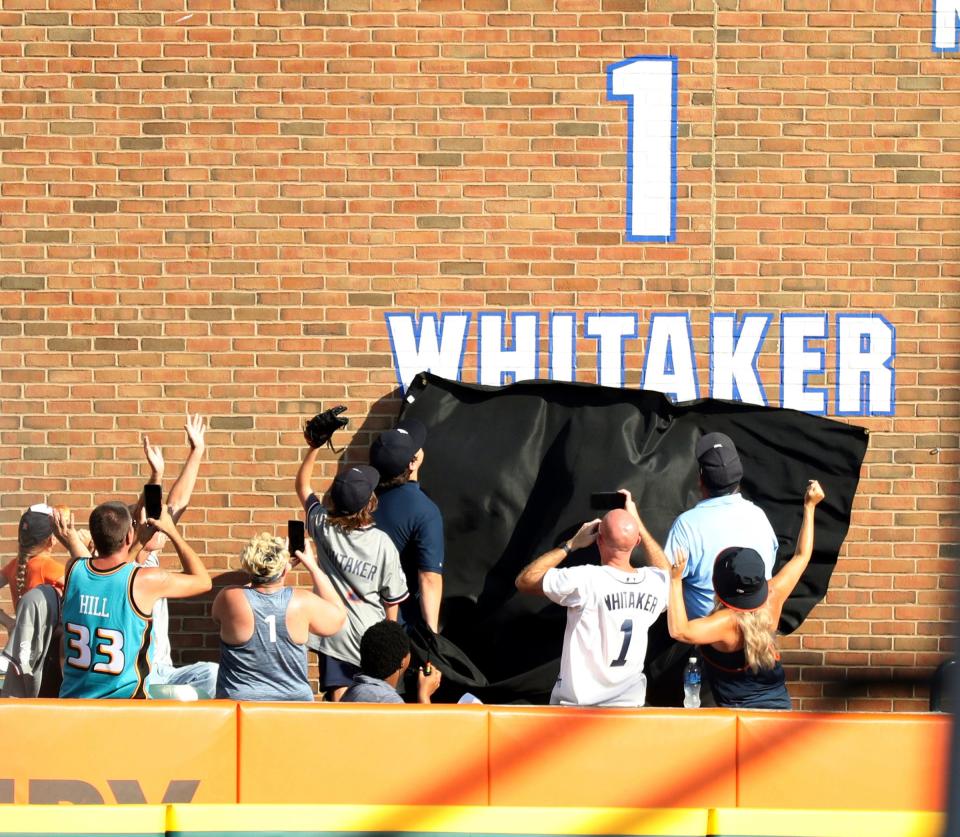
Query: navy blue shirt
point(413, 522)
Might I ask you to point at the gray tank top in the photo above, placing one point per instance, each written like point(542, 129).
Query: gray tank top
point(270, 665)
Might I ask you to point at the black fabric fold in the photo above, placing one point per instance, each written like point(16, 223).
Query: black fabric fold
point(512, 469)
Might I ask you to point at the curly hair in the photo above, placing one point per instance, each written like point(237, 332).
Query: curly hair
point(265, 558)
point(383, 648)
point(351, 522)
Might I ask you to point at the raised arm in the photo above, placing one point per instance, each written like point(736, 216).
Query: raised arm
point(155, 583)
point(782, 584)
point(530, 579)
point(154, 456)
point(713, 628)
point(305, 475)
point(180, 493)
point(65, 532)
point(155, 460)
point(649, 543)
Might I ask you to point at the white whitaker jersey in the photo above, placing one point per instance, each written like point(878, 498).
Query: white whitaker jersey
point(609, 612)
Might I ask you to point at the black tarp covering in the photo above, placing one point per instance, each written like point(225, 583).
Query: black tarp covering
point(512, 470)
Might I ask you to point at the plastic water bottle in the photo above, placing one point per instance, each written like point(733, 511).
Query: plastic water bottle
point(691, 684)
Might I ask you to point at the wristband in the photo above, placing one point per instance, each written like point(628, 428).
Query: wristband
point(565, 546)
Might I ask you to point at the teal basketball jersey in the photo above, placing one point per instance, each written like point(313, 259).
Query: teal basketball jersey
point(106, 639)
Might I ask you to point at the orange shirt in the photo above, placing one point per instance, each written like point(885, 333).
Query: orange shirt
point(41, 569)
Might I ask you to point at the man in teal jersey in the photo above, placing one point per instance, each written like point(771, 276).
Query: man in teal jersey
point(108, 601)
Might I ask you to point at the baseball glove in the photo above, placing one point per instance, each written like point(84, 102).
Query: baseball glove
point(321, 427)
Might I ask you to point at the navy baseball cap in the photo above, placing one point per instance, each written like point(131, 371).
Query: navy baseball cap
point(36, 525)
point(720, 465)
point(392, 450)
point(739, 578)
point(352, 488)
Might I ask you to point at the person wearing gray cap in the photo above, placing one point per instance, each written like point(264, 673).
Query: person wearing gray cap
point(33, 565)
point(410, 518)
point(361, 561)
point(723, 518)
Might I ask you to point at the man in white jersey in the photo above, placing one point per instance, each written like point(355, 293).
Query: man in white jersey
point(609, 609)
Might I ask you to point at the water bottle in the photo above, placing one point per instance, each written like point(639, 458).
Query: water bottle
point(691, 684)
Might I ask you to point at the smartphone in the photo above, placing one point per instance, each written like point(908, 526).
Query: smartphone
point(295, 536)
point(153, 500)
point(603, 500)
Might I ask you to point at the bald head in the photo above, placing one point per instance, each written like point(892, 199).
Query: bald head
point(619, 533)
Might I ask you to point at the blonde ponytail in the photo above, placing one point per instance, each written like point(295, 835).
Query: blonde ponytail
point(759, 641)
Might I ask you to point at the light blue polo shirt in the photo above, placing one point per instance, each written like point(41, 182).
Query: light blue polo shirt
point(705, 531)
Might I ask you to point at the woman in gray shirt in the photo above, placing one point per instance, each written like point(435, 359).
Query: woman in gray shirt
point(264, 626)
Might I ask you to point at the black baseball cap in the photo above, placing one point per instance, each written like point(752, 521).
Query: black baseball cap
point(739, 578)
point(36, 525)
point(392, 450)
point(352, 488)
point(720, 465)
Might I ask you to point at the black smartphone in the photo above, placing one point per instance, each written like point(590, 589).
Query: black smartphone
point(295, 536)
point(604, 500)
point(153, 500)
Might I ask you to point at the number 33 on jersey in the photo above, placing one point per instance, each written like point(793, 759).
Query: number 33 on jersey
point(106, 637)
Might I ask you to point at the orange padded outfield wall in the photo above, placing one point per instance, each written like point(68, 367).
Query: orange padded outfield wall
point(86, 751)
point(126, 752)
point(534, 756)
point(882, 762)
point(364, 754)
point(598, 757)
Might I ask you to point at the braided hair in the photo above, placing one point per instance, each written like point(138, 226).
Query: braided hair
point(22, 558)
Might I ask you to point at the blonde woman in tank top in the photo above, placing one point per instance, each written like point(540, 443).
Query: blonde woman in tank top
point(264, 625)
point(738, 640)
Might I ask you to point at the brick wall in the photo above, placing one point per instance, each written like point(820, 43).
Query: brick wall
point(211, 205)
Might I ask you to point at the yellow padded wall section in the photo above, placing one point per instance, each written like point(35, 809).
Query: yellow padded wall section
point(434, 821)
point(82, 820)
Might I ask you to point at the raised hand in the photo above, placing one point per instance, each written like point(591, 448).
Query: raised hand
point(629, 504)
point(65, 532)
point(679, 565)
point(63, 529)
point(154, 456)
point(814, 493)
point(307, 558)
point(196, 429)
point(586, 534)
point(164, 524)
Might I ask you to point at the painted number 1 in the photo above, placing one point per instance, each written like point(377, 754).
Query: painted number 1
point(627, 630)
point(648, 84)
